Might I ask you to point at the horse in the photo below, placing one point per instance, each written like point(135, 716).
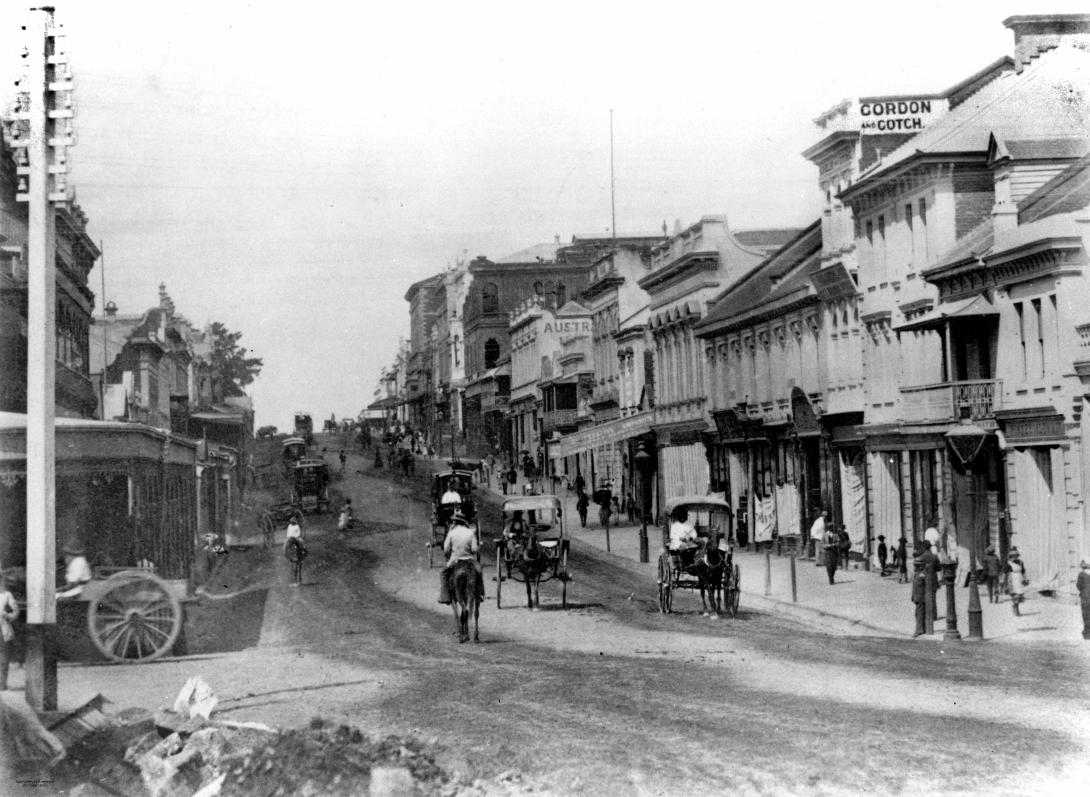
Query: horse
point(531, 561)
point(464, 600)
point(710, 567)
point(296, 552)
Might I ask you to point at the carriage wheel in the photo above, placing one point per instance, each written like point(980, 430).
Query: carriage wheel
point(735, 593)
point(135, 618)
point(666, 596)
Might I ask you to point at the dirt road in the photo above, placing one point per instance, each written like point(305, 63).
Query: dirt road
point(610, 697)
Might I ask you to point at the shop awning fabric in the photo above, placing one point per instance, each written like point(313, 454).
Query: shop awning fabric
point(979, 306)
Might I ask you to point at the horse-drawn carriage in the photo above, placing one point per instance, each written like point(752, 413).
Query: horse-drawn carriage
point(310, 481)
point(533, 547)
point(292, 450)
point(458, 478)
point(708, 565)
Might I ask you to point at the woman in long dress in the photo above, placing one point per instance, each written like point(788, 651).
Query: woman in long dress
point(1016, 580)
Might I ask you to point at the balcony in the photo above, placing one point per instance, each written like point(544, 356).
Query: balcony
point(939, 403)
point(559, 419)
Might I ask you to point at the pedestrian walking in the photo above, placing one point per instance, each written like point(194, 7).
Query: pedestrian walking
point(993, 573)
point(901, 556)
point(844, 544)
point(580, 484)
point(817, 534)
point(1016, 580)
point(1082, 584)
point(581, 505)
point(344, 459)
point(831, 550)
point(883, 553)
point(630, 507)
point(512, 479)
point(924, 563)
point(604, 511)
point(9, 612)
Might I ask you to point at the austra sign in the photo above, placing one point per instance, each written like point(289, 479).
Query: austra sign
point(566, 328)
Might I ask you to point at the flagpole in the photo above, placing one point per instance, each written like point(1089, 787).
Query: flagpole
point(612, 182)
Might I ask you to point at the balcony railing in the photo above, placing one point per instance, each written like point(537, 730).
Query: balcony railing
point(938, 403)
point(559, 419)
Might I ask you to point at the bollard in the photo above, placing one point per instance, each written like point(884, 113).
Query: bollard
point(794, 584)
point(768, 573)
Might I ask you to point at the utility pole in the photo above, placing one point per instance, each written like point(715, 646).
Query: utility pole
point(44, 96)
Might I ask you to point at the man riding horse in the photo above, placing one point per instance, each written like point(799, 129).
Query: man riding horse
point(460, 545)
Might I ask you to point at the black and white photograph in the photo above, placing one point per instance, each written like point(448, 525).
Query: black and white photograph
point(492, 399)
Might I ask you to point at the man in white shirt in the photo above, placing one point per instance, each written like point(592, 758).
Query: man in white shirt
point(460, 545)
point(77, 571)
point(682, 532)
point(817, 534)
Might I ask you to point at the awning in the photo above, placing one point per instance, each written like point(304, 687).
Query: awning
point(978, 306)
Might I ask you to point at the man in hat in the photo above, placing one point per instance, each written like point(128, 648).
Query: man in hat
point(460, 545)
point(1082, 584)
point(925, 562)
point(883, 555)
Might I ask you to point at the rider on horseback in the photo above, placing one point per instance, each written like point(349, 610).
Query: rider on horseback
point(460, 545)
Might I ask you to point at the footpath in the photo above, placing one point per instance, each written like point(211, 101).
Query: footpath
point(859, 602)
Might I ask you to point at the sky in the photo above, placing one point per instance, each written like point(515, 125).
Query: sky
point(290, 169)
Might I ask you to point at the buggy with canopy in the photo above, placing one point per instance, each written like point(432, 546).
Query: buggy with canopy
point(706, 564)
point(533, 547)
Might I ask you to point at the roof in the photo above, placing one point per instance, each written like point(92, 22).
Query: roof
point(537, 252)
point(537, 503)
point(1066, 193)
point(978, 306)
point(699, 500)
point(773, 237)
point(1040, 102)
point(784, 273)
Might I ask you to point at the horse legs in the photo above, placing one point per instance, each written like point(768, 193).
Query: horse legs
point(529, 593)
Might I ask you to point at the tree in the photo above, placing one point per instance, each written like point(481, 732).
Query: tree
point(266, 432)
point(232, 370)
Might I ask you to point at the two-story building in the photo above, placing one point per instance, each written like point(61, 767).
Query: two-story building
point(920, 212)
point(687, 271)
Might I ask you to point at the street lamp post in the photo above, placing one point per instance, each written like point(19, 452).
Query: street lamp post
point(949, 576)
point(968, 441)
point(644, 464)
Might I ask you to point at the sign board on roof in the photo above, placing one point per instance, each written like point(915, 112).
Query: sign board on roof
point(884, 115)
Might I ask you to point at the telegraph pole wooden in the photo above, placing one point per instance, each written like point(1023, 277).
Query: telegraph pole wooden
point(41, 183)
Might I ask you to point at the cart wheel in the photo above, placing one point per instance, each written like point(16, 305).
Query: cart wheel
point(666, 597)
point(135, 618)
point(735, 593)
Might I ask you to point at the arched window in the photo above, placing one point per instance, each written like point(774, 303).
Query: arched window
point(538, 288)
point(457, 346)
point(561, 294)
point(490, 298)
point(491, 353)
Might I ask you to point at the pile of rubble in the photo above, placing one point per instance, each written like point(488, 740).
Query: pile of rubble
point(187, 751)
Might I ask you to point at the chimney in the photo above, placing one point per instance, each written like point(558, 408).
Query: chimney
point(165, 302)
point(1036, 33)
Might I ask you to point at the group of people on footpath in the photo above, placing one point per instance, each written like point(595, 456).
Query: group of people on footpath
point(832, 545)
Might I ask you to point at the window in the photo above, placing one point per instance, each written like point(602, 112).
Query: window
point(922, 204)
point(1020, 311)
point(457, 345)
point(870, 232)
point(1040, 334)
point(561, 294)
point(490, 298)
point(911, 233)
point(538, 288)
point(491, 353)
